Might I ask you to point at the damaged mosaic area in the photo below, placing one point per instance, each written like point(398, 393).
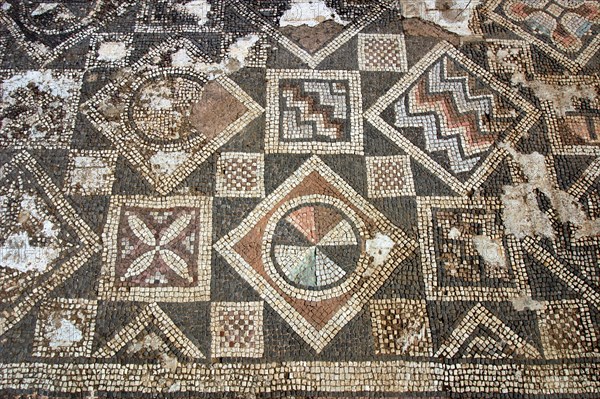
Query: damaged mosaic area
point(306, 198)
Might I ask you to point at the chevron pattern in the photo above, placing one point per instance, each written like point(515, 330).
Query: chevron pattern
point(454, 120)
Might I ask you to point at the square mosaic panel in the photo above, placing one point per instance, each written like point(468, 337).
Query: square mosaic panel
point(237, 329)
point(38, 108)
point(314, 112)
point(574, 128)
point(378, 52)
point(157, 250)
point(510, 57)
point(91, 172)
point(111, 50)
point(401, 327)
point(389, 176)
point(466, 253)
point(312, 230)
point(567, 330)
point(240, 175)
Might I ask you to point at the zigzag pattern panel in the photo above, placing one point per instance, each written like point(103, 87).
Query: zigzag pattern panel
point(454, 120)
point(313, 110)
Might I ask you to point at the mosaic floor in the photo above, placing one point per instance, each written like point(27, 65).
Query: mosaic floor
point(278, 198)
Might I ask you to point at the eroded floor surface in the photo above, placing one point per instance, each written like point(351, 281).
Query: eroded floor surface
point(270, 198)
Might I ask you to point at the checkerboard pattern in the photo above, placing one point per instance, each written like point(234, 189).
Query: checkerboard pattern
point(382, 52)
point(237, 329)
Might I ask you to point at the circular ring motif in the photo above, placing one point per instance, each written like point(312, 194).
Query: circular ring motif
point(314, 247)
point(160, 105)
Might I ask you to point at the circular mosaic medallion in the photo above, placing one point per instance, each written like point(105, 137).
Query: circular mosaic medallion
point(315, 246)
point(160, 106)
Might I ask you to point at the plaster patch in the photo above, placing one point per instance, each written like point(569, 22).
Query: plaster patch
point(165, 163)
point(112, 51)
point(16, 253)
point(491, 250)
point(414, 333)
point(90, 173)
point(454, 233)
point(233, 61)
point(379, 248)
point(522, 216)
point(522, 303)
point(563, 97)
point(168, 362)
point(43, 8)
point(157, 96)
point(58, 86)
point(61, 333)
point(151, 342)
point(181, 59)
point(452, 15)
point(309, 13)
point(197, 8)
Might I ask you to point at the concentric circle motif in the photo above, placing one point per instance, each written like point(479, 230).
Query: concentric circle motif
point(160, 106)
point(315, 246)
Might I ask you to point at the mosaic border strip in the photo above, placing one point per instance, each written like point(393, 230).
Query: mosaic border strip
point(395, 377)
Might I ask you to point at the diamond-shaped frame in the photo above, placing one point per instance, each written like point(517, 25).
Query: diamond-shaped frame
point(344, 301)
point(193, 151)
point(493, 159)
